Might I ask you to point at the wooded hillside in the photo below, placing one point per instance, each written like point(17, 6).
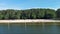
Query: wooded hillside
point(30, 14)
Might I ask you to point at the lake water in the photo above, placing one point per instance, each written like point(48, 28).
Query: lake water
point(29, 29)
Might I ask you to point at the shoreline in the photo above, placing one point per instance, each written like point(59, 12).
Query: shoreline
point(28, 21)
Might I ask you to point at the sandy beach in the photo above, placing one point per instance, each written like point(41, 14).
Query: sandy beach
point(27, 20)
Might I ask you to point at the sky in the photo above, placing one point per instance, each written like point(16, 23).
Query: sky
point(27, 4)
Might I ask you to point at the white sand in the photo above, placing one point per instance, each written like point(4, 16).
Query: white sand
point(28, 20)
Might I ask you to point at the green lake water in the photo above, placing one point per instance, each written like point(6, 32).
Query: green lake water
point(37, 28)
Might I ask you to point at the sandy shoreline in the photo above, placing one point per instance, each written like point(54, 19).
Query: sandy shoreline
point(28, 20)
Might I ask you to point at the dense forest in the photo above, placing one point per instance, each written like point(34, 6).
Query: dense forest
point(38, 13)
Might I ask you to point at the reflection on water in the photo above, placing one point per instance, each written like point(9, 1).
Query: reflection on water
point(29, 29)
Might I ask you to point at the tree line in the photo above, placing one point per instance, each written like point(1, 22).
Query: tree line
point(30, 14)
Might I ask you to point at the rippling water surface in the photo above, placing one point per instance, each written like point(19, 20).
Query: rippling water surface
point(29, 28)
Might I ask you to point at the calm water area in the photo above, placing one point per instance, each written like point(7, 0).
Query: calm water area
point(38, 28)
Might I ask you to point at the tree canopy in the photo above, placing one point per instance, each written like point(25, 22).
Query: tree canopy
point(30, 14)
